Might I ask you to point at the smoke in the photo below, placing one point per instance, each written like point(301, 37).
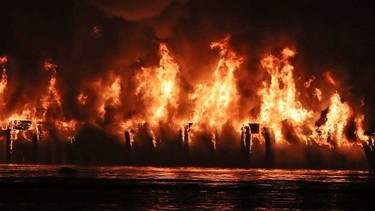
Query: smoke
point(161, 15)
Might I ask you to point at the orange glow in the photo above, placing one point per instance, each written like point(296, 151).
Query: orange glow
point(307, 84)
point(337, 118)
point(211, 104)
point(279, 97)
point(4, 77)
point(329, 78)
point(214, 101)
point(157, 87)
point(52, 98)
point(360, 133)
point(318, 94)
point(82, 98)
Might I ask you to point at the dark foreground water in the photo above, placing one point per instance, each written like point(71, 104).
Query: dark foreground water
point(97, 188)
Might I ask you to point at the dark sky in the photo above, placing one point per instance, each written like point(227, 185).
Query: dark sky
point(336, 36)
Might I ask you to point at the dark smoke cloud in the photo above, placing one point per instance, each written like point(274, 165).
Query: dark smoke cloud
point(132, 10)
point(162, 15)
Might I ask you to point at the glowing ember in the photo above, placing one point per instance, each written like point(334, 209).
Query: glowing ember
point(82, 98)
point(329, 78)
point(318, 94)
point(4, 77)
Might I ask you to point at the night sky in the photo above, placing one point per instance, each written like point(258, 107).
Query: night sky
point(334, 36)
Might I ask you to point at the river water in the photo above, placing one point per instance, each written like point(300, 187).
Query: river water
point(98, 188)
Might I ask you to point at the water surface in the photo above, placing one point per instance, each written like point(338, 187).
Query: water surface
point(42, 186)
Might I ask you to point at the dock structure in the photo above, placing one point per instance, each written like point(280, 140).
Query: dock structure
point(13, 126)
point(246, 137)
point(270, 146)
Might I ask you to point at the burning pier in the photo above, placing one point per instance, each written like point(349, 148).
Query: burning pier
point(156, 116)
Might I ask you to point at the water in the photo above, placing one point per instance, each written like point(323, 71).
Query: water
point(97, 188)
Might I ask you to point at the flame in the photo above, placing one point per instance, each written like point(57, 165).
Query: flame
point(82, 98)
point(157, 87)
point(279, 97)
point(4, 77)
point(337, 118)
point(213, 100)
point(112, 95)
point(307, 84)
point(329, 78)
point(318, 94)
point(360, 132)
point(52, 98)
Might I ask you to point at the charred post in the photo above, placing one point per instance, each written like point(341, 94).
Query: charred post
point(35, 148)
point(8, 146)
point(242, 143)
point(127, 142)
point(186, 137)
point(270, 142)
point(180, 140)
point(248, 140)
point(127, 146)
point(369, 148)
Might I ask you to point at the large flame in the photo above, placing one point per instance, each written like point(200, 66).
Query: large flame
point(157, 87)
point(279, 97)
point(213, 102)
point(337, 118)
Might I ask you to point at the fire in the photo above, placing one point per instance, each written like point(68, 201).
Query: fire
point(82, 98)
point(4, 77)
point(157, 87)
point(337, 118)
point(213, 100)
point(108, 95)
point(307, 84)
point(279, 97)
point(53, 96)
point(113, 93)
point(318, 94)
point(329, 78)
point(360, 133)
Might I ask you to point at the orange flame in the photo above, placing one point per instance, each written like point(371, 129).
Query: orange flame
point(214, 101)
point(318, 94)
point(279, 97)
point(337, 118)
point(4, 77)
point(360, 132)
point(329, 78)
point(157, 87)
point(82, 98)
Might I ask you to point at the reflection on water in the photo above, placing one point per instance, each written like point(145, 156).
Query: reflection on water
point(26, 186)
